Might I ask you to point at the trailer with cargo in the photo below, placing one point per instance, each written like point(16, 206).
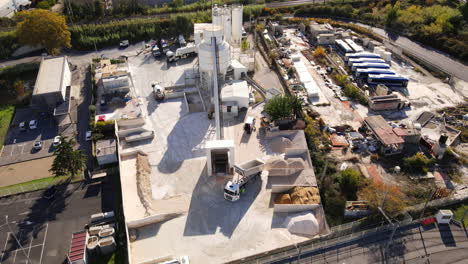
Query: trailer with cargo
point(245, 173)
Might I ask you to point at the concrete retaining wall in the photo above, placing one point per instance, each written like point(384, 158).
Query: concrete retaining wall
point(135, 122)
point(126, 132)
point(152, 220)
point(293, 208)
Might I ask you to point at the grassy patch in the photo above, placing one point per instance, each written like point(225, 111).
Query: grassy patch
point(35, 185)
point(459, 212)
point(6, 114)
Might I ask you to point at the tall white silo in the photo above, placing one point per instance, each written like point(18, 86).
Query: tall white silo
point(227, 23)
point(216, 15)
point(236, 23)
point(205, 55)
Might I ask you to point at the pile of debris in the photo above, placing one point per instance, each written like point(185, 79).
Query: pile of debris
point(299, 195)
point(143, 169)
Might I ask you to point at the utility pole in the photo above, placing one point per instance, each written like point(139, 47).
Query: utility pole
point(427, 201)
point(17, 241)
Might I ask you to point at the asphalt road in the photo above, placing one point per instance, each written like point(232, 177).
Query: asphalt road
point(435, 57)
point(44, 227)
point(442, 244)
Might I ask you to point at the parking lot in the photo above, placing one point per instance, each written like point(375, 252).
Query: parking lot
point(19, 144)
point(43, 227)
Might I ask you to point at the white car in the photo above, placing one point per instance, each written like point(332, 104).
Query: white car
point(33, 124)
point(88, 135)
point(57, 141)
point(37, 145)
point(22, 126)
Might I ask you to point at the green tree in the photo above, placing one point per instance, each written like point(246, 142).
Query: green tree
point(390, 195)
point(319, 52)
point(43, 5)
point(417, 164)
point(244, 45)
point(19, 88)
point(392, 15)
point(177, 3)
point(67, 160)
point(281, 107)
point(464, 11)
point(45, 28)
point(341, 79)
point(350, 180)
point(98, 9)
point(183, 25)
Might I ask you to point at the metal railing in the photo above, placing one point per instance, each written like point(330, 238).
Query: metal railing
point(340, 234)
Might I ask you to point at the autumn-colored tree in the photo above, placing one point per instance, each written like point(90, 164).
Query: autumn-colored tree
point(377, 193)
point(45, 28)
point(19, 88)
point(319, 52)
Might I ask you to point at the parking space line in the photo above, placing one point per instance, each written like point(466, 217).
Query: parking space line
point(29, 250)
point(43, 243)
point(14, 259)
point(6, 243)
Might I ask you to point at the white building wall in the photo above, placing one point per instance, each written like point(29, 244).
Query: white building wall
point(66, 80)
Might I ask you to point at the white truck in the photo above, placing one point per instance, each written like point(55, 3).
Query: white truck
point(246, 172)
point(183, 52)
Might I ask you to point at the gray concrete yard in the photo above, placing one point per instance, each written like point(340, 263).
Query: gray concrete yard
point(211, 229)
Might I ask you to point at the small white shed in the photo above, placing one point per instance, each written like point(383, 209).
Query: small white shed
point(444, 216)
point(239, 69)
point(236, 91)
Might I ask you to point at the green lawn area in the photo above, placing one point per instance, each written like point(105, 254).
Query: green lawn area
point(6, 114)
point(35, 185)
point(460, 211)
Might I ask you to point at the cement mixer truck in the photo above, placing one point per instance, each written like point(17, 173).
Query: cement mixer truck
point(245, 173)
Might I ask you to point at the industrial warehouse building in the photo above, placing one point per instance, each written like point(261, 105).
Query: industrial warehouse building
point(53, 80)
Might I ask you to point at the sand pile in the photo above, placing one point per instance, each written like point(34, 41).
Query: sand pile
point(299, 195)
point(143, 181)
point(280, 144)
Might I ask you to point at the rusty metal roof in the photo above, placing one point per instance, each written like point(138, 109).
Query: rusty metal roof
point(382, 130)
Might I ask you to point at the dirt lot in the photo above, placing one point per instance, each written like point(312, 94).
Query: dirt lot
point(25, 171)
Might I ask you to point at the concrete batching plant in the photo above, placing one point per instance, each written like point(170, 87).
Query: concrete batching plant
point(230, 19)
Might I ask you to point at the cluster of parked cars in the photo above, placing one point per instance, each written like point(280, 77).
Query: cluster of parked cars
point(32, 125)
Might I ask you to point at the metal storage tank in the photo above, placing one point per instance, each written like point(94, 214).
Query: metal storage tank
point(205, 50)
point(227, 23)
point(216, 15)
point(237, 24)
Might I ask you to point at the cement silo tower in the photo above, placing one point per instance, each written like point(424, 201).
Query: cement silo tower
point(217, 15)
point(236, 24)
point(227, 23)
point(205, 55)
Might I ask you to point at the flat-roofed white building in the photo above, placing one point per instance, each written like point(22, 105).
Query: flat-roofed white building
point(237, 91)
point(52, 81)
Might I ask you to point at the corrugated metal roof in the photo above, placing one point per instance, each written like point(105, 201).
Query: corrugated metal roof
point(382, 130)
